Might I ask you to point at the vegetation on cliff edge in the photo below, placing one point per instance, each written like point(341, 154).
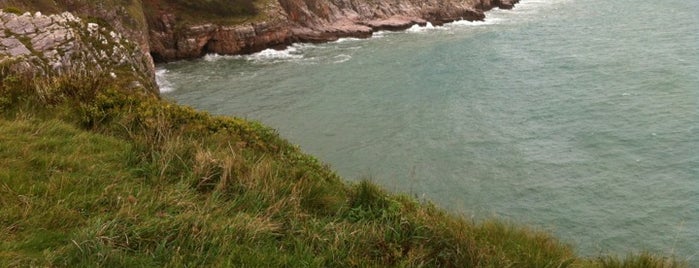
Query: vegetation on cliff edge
point(91, 175)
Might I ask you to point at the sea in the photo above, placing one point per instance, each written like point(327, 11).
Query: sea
point(578, 118)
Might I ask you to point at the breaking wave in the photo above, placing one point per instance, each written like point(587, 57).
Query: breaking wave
point(163, 84)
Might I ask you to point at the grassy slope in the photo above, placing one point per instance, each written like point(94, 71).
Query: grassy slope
point(91, 176)
point(204, 12)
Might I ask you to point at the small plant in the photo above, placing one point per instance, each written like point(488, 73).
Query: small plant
point(14, 86)
point(368, 202)
point(221, 8)
point(639, 260)
point(12, 9)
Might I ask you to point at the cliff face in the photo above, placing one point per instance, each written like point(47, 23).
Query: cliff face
point(125, 16)
point(288, 21)
point(174, 29)
point(44, 45)
point(108, 36)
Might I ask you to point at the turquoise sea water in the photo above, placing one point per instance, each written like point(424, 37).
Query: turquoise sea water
point(576, 117)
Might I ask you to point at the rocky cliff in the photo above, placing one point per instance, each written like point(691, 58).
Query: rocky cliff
point(286, 21)
point(39, 45)
point(125, 35)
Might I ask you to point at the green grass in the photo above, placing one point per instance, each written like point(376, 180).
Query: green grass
point(219, 12)
point(220, 8)
point(95, 176)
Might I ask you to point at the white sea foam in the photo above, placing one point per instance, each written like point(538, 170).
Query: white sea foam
point(293, 52)
point(487, 21)
point(341, 58)
point(347, 39)
point(290, 53)
point(217, 57)
point(353, 47)
point(304, 46)
point(161, 80)
point(417, 28)
point(379, 34)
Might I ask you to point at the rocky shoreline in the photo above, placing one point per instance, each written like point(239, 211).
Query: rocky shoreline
point(123, 41)
point(307, 21)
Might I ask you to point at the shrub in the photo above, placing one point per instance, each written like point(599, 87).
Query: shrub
point(14, 10)
point(221, 8)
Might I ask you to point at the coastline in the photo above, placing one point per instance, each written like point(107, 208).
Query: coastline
point(163, 32)
point(297, 21)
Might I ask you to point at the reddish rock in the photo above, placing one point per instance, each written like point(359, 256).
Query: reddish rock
point(308, 21)
point(506, 4)
point(394, 23)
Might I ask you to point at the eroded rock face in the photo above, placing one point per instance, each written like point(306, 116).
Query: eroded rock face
point(308, 21)
point(52, 44)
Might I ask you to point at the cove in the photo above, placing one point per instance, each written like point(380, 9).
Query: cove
point(578, 117)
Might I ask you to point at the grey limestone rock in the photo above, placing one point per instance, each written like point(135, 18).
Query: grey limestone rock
point(42, 22)
point(13, 47)
point(21, 25)
point(52, 44)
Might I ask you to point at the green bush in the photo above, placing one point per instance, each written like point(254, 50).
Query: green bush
point(221, 8)
point(14, 10)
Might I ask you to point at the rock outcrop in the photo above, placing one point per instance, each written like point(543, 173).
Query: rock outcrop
point(289, 21)
point(118, 36)
point(42, 45)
